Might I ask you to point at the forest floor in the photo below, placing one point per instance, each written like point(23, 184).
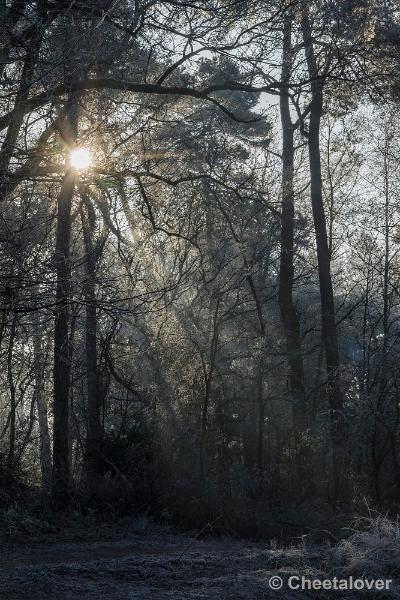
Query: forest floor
point(143, 562)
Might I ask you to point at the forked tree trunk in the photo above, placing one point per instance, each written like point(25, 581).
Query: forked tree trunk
point(328, 321)
point(289, 316)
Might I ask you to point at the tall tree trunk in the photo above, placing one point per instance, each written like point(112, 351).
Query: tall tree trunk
point(386, 266)
point(261, 412)
point(94, 430)
point(260, 367)
point(289, 316)
point(13, 400)
point(380, 436)
point(62, 347)
point(329, 333)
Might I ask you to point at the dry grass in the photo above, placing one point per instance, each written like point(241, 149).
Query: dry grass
point(372, 551)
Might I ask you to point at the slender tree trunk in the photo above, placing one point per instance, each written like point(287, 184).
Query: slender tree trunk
point(13, 400)
point(42, 411)
point(260, 374)
point(329, 333)
point(289, 316)
point(380, 438)
point(261, 413)
point(203, 432)
point(94, 430)
point(207, 391)
point(386, 265)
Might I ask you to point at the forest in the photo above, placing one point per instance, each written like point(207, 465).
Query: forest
point(200, 261)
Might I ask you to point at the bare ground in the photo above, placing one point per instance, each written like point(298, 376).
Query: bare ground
point(153, 565)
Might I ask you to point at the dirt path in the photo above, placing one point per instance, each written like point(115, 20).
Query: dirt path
point(143, 567)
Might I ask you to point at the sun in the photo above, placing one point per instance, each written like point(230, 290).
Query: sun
point(80, 159)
